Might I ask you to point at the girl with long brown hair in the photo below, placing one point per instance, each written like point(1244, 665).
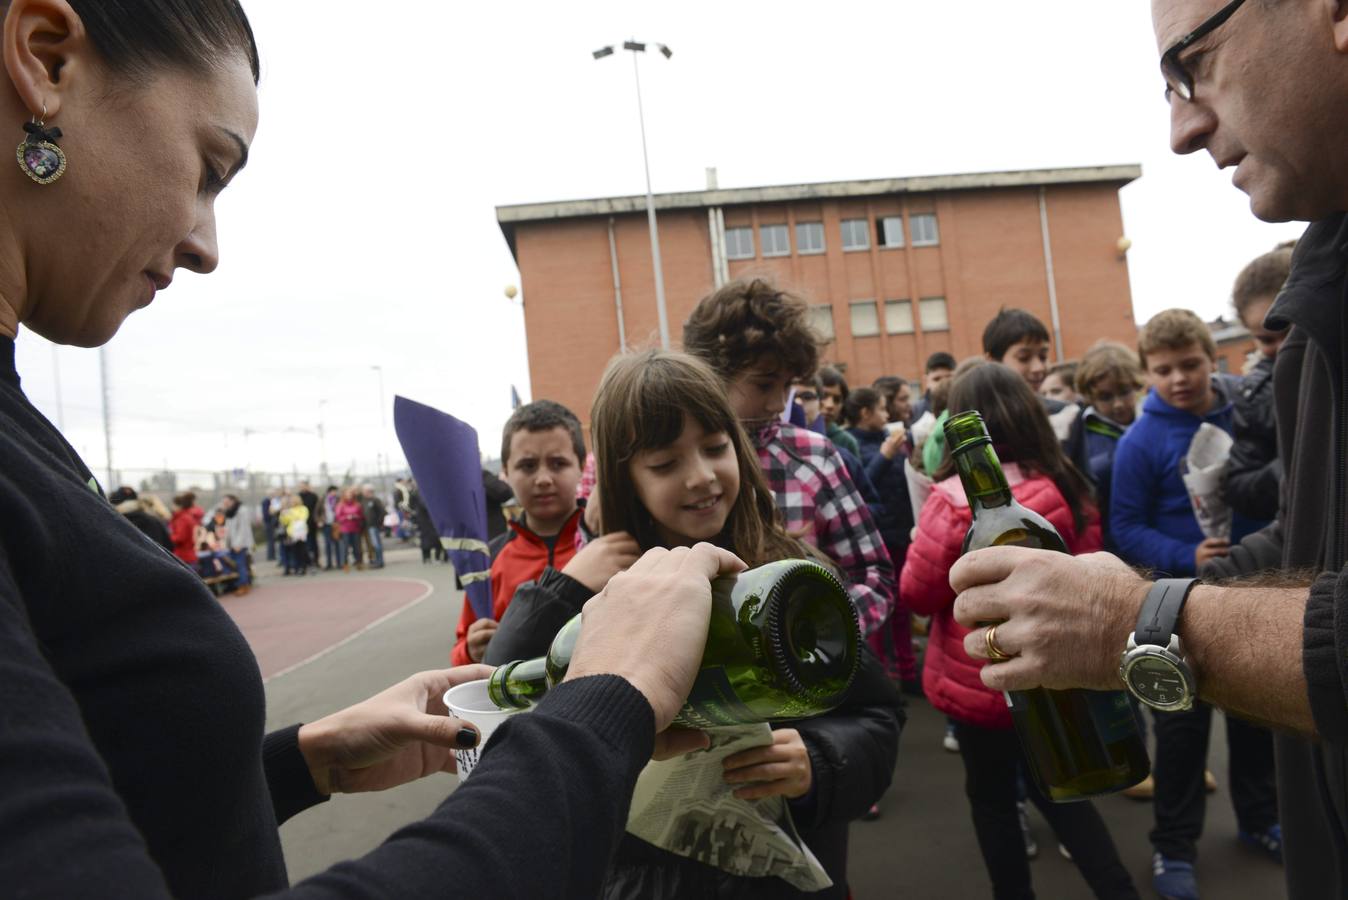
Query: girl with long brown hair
point(1041, 478)
point(676, 468)
point(646, 405)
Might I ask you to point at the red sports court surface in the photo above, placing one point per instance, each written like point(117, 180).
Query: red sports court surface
point(289, 621)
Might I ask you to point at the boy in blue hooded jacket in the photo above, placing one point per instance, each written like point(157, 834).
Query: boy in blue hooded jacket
point(1151, 519)
point(1152, 524)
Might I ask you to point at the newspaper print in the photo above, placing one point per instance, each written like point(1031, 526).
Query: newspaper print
point(683, 805)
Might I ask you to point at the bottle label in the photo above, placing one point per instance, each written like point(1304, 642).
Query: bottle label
point(713, 702)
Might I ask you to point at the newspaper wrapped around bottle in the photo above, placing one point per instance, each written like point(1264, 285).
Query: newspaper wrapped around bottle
point(684, 805)
point(1204, 472)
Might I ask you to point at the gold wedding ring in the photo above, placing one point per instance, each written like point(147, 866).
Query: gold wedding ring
point(995, 653)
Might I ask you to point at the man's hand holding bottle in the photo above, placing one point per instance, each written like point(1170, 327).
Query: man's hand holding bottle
point(649, 626)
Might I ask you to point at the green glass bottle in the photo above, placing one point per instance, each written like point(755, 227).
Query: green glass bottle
point(783, 643)
point(1078, 743)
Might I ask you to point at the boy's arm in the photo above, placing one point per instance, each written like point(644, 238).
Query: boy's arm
point(535, 614)
point(1252, 480)
point(847, 534)
point(1130, 494)
point(458, 656)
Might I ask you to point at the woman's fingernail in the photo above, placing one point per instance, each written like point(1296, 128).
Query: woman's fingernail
point(467, 737)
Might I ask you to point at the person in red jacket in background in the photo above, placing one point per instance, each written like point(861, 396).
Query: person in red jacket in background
point(1042, 479)
point(183, 526)
point(541, 451)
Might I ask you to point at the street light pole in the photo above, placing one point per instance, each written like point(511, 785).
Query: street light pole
point(383, 429)
point(322, 437)
point(107, 417)
point(639, 47)
point(56, 383)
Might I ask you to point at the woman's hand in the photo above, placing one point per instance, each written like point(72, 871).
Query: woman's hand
point(780, 768)
point(400, 735)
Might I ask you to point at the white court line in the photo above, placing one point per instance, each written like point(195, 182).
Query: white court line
point(430, 589)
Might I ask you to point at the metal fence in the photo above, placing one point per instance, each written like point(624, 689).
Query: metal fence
point(248, 485)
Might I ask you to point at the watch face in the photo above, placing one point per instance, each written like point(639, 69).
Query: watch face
point(1156, 680)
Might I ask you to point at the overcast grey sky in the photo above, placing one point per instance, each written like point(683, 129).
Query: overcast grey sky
point(363, 231)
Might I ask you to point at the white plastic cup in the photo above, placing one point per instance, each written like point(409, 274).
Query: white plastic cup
point(470, 701)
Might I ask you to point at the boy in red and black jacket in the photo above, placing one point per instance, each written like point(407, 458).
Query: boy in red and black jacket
point(541, 452)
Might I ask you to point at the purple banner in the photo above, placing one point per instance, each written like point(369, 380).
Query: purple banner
point(443, 455)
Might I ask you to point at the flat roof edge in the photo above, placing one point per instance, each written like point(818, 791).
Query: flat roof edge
point(604, 206)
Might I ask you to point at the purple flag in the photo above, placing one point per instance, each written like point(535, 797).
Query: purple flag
point(443, 455)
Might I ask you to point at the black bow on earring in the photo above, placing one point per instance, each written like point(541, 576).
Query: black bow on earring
point(38, 155)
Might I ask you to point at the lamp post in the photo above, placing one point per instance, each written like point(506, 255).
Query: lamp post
point(323, 438)
point(383, 430)
point(639, 47)
point(107, 415)
point(56, 383)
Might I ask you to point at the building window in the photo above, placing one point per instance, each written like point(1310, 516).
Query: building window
point(899, 316)
point(809, 237)
point(891, 231)
point(933, 312)
point(739, 243)
point(924, 231)
point(821, 317)
point(776, 240)
point(856, 234)
point(865, 320)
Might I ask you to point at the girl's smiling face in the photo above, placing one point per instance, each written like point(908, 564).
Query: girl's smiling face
point(689, 486)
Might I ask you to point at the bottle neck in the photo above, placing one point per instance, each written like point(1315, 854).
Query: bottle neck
point(519, 685)
point(981, 474)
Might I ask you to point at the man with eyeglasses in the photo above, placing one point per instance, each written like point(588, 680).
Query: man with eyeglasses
point(1262, 86)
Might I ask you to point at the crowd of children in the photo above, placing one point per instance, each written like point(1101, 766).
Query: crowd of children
point(744, 439)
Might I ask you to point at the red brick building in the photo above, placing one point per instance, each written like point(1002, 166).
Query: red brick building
point(896, 268)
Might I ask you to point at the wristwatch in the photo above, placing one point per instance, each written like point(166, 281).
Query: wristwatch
point(1153, 666)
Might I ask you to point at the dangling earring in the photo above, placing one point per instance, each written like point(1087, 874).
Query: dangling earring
point(38, 155)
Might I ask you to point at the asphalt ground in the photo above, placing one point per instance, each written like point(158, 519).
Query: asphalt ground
point(330, 640)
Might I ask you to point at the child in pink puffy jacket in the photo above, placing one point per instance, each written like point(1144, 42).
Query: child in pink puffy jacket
point(1041, 478)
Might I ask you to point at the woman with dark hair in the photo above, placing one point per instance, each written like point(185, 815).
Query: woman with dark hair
point(1042, 479)
point(132, 757)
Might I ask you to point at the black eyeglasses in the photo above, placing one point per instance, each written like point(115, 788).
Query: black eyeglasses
point(1178, 80)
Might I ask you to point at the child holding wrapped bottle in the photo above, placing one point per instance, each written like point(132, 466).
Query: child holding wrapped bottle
point(675, 468)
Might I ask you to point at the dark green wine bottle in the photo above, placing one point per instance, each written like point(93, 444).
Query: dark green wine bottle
point(1078, 743)
point(783, 643)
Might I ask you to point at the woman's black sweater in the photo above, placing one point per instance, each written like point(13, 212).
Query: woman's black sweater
point(132, 756)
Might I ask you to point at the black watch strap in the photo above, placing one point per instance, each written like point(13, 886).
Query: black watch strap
point(1161, 610)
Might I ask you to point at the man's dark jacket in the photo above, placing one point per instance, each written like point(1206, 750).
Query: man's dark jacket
point(1311, 533)
point(374, 512)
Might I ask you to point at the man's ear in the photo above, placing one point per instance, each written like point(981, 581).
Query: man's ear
point(44, 44)
point(1338, 18)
